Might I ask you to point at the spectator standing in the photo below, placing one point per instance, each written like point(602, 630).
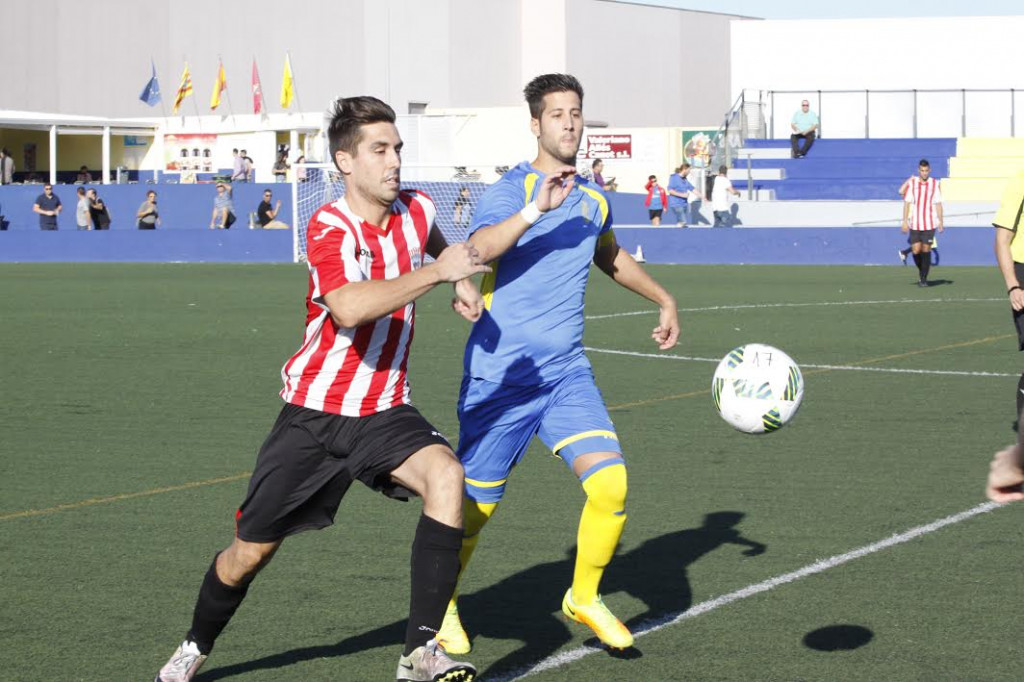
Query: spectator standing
point(463, 209)
point(720, 192)
point(300, 169)
point(680, 189)
point(83, 219)
point(922, 215)
point(656, 200)
point(223, 209)
point(267, 214)
point(98, 211)
point(6, 167)
point(598, 168)
point(281, 168)
point(237, 167)
point(248, 167)
point(84, 176)
point(48, 207)
point(147, 214)
point(805, 126)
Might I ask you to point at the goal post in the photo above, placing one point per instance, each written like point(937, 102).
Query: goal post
point(454, 189)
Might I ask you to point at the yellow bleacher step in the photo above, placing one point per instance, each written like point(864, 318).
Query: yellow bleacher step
point(973, 189)
point(985, 167)
point(990, 146)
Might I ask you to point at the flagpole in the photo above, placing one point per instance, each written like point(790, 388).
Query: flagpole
point(195, 103)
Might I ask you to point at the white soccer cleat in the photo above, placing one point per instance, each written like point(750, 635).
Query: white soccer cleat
point(430, 663)
point(184, 664)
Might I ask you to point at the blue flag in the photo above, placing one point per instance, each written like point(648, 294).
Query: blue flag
point(151, 93)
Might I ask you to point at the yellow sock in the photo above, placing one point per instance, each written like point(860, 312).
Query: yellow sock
point(601, 524)
point(474, 516)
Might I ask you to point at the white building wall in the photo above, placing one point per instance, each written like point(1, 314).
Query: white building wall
point(943, 53)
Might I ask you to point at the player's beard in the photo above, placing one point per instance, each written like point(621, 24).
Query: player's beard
point(562, 149)
point(380, 192)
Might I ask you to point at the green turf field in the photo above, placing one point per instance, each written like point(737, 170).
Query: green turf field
point(135, 397)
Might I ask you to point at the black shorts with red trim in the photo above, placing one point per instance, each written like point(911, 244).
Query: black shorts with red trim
point(923, 236)
point(310, 459)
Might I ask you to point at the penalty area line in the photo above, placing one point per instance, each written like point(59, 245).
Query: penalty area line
point(653, 625)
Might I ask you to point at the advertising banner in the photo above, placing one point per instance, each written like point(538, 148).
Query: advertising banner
point(190, 152)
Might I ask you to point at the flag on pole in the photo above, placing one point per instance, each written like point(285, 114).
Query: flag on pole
point(218, 87)
point(151, 93)
point(184, 90)
point(287, 84)
point(257, 90)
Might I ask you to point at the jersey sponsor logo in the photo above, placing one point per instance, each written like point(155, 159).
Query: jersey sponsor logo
point(366, 253)
point(585, 209)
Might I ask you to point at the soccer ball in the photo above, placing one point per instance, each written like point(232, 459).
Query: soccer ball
point(757, 388)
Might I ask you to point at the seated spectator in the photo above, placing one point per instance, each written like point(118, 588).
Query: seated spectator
point(300, 170)
point(98, 210)
point(223, 209)
point(805, 126)
point(607, 185)
point(84, 176)
point(267, 216)
point(656, 200)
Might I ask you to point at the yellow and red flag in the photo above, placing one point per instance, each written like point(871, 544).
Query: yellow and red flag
point(184, 90)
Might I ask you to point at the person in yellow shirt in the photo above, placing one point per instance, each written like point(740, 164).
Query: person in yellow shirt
point(1010, 256)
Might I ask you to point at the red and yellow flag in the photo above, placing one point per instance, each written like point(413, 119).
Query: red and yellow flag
point(218, 87)
point(184, 90)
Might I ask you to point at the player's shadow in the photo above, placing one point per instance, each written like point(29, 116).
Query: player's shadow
point(525, 606)
point(939, 282)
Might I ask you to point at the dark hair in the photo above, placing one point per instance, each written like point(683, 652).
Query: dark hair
point(652, 177)
point(596, 161)
point(682, 166)
point(349, 115)
point(544, 85)
point(924, 162)
point(235, 150)
point(81, 190)
point(723, 169)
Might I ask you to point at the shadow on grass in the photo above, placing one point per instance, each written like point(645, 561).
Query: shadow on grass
point(526, 606)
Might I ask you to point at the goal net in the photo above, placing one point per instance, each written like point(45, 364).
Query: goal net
point(454, 189)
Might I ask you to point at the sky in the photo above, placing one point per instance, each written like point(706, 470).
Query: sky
point(801, 9)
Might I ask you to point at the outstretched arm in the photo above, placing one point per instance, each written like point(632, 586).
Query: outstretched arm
point(620, 266)
point(494, 240)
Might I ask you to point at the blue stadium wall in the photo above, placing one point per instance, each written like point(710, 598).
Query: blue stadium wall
point(185, 212)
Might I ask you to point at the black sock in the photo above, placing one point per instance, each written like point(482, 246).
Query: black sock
point(216, 604)
point(435, 570)
point(926, 265)
point(917, 260)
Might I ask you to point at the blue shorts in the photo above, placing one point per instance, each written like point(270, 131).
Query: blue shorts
point(497, 423)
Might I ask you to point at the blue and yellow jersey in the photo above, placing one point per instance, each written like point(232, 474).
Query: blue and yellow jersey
point(531, 331)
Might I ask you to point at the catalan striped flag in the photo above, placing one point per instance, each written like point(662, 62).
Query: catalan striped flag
point(184, 90)
point(218, 87)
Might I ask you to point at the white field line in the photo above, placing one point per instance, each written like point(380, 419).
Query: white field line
point(820, 566)
point(851, 368)
point(755, 306)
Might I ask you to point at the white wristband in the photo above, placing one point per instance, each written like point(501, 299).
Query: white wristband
point(531, 213)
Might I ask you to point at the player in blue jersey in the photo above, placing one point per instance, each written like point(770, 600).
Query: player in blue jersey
point(540, 227)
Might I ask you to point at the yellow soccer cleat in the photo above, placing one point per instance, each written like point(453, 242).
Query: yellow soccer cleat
point(453, 636)
point(598, 618)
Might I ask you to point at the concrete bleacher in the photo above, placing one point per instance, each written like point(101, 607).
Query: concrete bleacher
point(844, 169)
point(980, 170)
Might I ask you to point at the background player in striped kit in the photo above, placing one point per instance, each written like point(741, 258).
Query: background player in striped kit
point(922, 216)
point(347, 415)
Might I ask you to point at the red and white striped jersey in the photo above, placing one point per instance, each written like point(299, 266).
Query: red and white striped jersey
point(922, 197)
point(357, 371)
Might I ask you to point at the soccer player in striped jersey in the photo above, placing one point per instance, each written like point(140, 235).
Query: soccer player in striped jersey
point(922, 216)
point(347, 414)
point(525, 372)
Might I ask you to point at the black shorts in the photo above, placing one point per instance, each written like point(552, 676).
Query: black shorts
point(310, 459)
point(1018, 315)
point(922, 236)
point(654, 213)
